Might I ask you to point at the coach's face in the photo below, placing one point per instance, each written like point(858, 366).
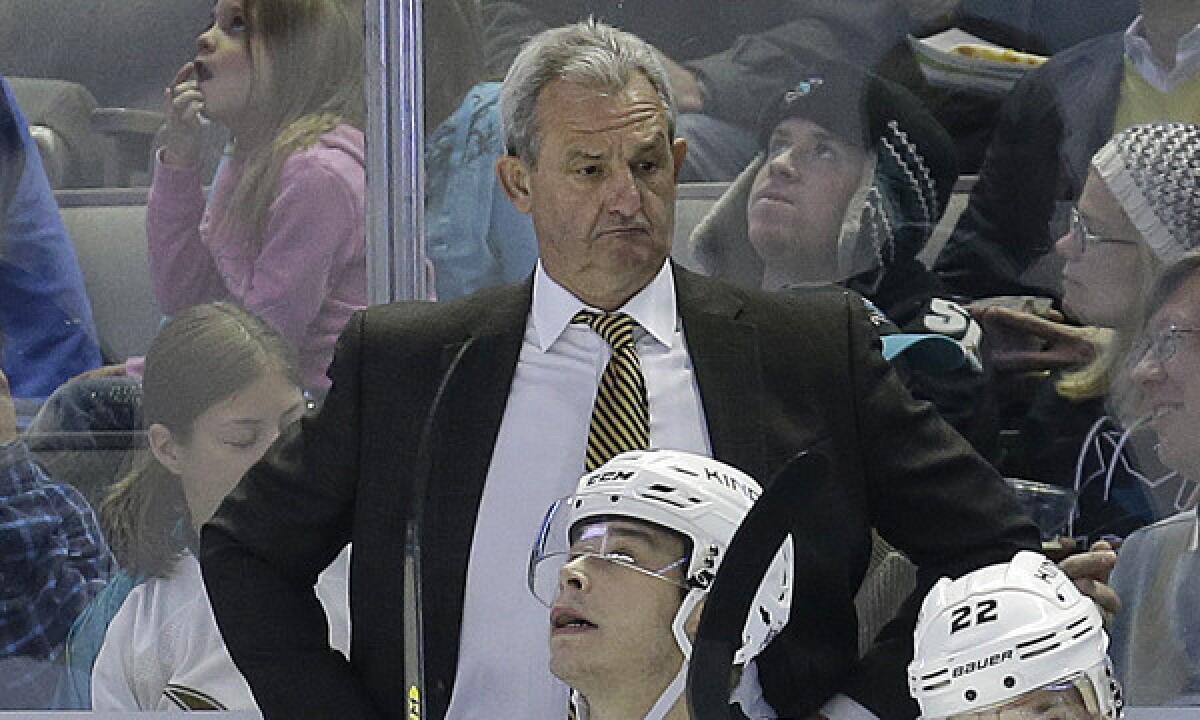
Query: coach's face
point(602, 189)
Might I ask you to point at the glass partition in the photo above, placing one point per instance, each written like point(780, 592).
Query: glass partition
point(197, 197)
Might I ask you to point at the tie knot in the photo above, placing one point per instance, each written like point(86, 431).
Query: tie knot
point(615, 328)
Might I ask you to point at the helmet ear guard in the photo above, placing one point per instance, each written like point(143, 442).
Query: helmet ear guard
point(1006, 630)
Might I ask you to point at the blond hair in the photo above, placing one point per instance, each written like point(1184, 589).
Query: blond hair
point(314, 49)
point(1096, 379)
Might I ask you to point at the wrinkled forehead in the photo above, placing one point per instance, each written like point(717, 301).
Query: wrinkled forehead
point(1101, 209)
point(798, 127)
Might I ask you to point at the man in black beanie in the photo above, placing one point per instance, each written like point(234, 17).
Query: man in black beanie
point(852, 177)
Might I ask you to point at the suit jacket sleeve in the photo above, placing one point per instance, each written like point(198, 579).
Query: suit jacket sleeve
point(931, 496)
point(1006, 224)
point(262, 552)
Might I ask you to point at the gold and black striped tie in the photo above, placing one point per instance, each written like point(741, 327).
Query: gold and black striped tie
point(620, 418)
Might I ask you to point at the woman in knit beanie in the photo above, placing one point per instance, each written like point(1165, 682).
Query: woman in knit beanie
point(1139, 210)
point(1143, 187)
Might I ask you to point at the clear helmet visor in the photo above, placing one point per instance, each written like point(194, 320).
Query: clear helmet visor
point(1070, 699)
point(573, 535)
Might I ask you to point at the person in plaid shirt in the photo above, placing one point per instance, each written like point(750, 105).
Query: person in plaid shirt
point(53, 561)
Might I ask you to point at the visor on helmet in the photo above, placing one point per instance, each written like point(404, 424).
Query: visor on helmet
point(626, 542)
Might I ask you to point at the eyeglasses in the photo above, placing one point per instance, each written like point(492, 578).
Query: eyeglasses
point(1162, 345)
point(1079, 229)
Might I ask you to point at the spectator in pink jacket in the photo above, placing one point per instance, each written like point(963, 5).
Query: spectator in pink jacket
point(283, 230)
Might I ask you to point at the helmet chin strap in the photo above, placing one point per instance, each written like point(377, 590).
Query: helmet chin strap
point(675, 690)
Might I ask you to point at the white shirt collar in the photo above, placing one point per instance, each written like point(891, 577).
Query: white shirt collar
point(1187, 58)
point(554, 306)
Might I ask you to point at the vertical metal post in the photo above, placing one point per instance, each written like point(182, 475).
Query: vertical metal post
point(395, 162)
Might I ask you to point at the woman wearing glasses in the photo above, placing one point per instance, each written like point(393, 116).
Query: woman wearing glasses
point(1139, 210)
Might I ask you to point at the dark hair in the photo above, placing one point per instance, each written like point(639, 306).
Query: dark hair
point(202, 356)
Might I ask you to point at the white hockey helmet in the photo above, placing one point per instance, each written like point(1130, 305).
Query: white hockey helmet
point(1003, 631)
point(698, 497)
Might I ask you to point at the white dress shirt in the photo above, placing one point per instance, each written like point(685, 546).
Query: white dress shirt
point(1187, 58)
point(504, 654)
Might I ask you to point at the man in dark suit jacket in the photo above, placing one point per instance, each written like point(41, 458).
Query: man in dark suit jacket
point(594, 160)
point(1051, 124)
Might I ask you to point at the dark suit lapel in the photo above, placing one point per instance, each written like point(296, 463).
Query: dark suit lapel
point(469, 420)
point(475, 398)
point(725, 355)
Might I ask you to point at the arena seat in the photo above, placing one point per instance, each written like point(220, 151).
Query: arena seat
point(59, 114)
point(108, 229)
point(890, 578)
point(692, 203)
point(56, 156)
point(958, 202)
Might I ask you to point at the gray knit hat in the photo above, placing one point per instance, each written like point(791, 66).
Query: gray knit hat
point(1154, 173)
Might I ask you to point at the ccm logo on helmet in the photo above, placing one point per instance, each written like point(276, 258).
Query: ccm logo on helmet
point(609, 476)
point(986, 662)
point(732, 483)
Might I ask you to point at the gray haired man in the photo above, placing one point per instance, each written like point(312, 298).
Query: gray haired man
point(501, 398)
